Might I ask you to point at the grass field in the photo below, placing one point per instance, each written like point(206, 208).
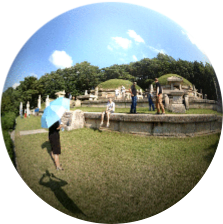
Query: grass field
point(116, 83)
point(111, 177)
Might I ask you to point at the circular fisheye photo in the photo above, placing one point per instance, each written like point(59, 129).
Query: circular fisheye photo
point(111, 113)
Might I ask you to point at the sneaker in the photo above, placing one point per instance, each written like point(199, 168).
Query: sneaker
point(107, 125)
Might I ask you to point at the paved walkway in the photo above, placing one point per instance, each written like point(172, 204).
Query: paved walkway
point(32, 132)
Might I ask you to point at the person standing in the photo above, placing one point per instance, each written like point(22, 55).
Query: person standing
point(25, 113)
point(123, 91)
point(21, 112)
point(150, 100)
point(134, 98)
point(159, 97)
point(54, 138)
point(116, 93)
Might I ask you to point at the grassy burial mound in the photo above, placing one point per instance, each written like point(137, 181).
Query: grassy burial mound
point(116, 83)
point(163, 80)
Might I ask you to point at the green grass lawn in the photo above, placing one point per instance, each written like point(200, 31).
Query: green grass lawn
point(116, 83)
point(112, 177)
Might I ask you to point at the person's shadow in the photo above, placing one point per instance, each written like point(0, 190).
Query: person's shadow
point(47, 145)
point(56, 184)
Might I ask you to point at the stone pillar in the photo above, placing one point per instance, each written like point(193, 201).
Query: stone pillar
point(96, 91)
point(47, 103)
point(180, 87)
point(167, 101)
point(171, 86)
point(21, 109)
point(28, 108)
point(177, 105)
point(85, 93)
point(151, 88)
point(39, 102)
point(186, 98)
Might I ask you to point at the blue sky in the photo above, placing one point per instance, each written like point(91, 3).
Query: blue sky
point(102, 34)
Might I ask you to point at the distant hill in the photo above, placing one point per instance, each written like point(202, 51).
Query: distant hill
point(163, 79)
point(116, 83)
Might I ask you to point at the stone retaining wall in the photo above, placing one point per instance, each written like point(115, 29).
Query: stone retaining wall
point(158, 125)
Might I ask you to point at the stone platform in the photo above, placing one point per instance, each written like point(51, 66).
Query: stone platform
point(158, 125)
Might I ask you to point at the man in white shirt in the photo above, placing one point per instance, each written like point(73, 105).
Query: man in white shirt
point(110, 109)
point(123, 91)
point(116, 93)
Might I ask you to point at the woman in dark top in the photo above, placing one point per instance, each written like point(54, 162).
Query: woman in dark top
point(54, 138)
point(134, 98)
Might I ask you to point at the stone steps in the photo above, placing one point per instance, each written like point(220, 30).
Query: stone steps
point(67, 118)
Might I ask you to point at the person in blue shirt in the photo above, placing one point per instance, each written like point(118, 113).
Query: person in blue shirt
point(134, 98)
point(150, 100)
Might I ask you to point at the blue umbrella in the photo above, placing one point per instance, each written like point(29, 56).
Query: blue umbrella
point(54, 111)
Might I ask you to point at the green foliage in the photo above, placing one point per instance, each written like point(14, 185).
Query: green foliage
point(84, 76)
point(8, 121)
point(8, 144)
point(116, 83)
point(163, 79)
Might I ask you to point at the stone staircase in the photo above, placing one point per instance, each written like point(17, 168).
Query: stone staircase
point(73, 120)
point(67, 119)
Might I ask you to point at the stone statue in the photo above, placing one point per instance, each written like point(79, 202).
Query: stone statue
point(39, 102)
point(167, 101)
point(47, 101)
point(21, 109)
point(151, 88)
point(28, 108)
point(186, 99)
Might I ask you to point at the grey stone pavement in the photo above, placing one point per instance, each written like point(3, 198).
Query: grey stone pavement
point(31, 132)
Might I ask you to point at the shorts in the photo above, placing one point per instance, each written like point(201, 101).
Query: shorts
point(111, 112)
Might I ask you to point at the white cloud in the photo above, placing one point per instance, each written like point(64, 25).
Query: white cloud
point(135, 36)
point(61, 59)
point(122, 42)
point(134, 58)
point(15, 85)
point(157, 50)
point(193, 40)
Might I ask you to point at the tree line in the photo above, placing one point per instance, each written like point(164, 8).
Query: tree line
point(84, 76)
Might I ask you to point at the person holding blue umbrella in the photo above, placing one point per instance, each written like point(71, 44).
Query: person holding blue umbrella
point(51, 119)
point(54, 138)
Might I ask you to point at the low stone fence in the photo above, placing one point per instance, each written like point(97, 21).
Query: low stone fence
point(158, 125)
point(202, 103)
point(193, 103)
point(118, 103)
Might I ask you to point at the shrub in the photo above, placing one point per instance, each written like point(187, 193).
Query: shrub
point(8, 144)
point(8, 121)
